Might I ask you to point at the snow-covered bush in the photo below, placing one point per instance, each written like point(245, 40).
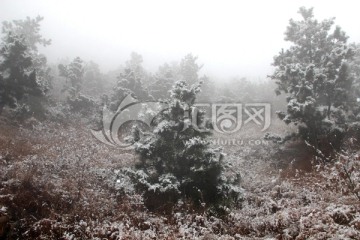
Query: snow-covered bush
point(344, 175)
point(83, 104)
point(177, 162)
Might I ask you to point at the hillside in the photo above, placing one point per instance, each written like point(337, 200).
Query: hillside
point(58, 182)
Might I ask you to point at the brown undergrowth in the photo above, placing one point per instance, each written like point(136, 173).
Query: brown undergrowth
point(57, 182)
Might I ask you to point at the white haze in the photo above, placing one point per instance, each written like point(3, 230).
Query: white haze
point(231, 38)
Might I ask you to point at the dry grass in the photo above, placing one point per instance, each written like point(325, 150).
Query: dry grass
point(58, 182)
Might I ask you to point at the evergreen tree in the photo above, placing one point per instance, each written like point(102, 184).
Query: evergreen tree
point(29, 31)
point(355, 71)
point(23, 71)
point(176, 160)
point(189, 69)
point(128, 83)
point(135, 64)
point(208, 88)
point(94, 81)
point(74, 76)
point(314, 72)
point(163, 81)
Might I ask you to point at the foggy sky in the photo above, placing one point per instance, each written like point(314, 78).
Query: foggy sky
point(231, 38)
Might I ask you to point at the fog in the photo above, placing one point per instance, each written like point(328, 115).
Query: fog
point(119, 133)
point(231, 38)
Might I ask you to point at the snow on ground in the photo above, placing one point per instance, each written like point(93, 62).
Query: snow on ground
point(58, 182)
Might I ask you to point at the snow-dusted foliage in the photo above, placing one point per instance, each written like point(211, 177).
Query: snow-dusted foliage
point(188, 70)
point(129, 83)
point(74, 74)
point(29, 31)
point(58, 181)
point(23, 71)
point(164, 79)
point(315, 75)
point(176, 160)
point(94, 83)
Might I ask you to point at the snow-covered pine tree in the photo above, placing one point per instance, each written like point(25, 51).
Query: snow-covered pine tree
point(207, 94)
point(94, 81)
point(17, 80)
point(189, 69)
point(314, 73)
point(354, 128)
point(29, 30)
point(164, 79)
point(24, 74)
point(135, 64)
point(74, 73)
point(177, 162)
point(128, 83)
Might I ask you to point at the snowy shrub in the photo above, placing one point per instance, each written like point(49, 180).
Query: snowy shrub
point(344, 175)
point(82, 104)
point(176, 160)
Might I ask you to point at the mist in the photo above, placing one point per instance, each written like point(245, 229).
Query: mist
point(231, 38)
point(179, 119)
